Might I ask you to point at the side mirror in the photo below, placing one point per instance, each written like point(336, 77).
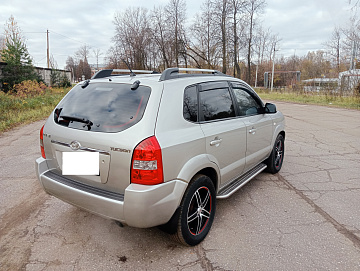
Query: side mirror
point(270, 108)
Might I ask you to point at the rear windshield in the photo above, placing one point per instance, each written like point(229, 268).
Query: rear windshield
point(102, 107)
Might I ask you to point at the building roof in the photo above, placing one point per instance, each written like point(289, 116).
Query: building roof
point(350, 73)
point(321, 80)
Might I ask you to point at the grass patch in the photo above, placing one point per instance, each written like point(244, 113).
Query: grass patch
point(349, 102)
point(15, 111)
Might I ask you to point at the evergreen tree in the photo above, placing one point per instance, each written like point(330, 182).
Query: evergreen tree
point(19, 63)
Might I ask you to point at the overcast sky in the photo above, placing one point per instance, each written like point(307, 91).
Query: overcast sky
point(302, 25)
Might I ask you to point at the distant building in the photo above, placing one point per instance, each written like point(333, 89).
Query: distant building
point(318, 84)
point(350, 80)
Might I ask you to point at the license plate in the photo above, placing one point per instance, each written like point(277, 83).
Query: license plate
point(80, 163)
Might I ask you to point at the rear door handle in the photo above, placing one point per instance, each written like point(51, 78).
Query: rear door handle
point(252, 131)
point(216, 142)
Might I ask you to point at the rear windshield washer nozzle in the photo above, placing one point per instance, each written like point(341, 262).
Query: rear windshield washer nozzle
point(135, 85)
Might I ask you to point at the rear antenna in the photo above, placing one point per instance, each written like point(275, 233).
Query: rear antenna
point(127, 65)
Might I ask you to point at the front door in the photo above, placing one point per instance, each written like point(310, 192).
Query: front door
point(259, 126)
point(225, 133)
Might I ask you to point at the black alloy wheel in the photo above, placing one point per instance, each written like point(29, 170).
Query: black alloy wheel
point(197, 211)
point(275, 161)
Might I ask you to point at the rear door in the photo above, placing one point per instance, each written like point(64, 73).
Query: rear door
point(225, 134)
point(259, 126)
point(100, 117)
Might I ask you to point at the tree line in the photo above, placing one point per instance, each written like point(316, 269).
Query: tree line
point(227, 35)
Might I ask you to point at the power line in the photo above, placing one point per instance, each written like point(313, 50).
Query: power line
point(67, 37)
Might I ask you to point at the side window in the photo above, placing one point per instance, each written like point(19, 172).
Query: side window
point(216, 104)
point(190, 110)
point(247, 104)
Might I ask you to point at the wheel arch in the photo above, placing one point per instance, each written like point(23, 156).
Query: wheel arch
point(282, 133)
point(212, 174)
point(200, 165)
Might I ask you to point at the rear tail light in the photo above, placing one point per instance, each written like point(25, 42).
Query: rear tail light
point(146, 164)
point(42, 142)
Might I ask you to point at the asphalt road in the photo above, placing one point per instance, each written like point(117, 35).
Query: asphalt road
point(307, 217)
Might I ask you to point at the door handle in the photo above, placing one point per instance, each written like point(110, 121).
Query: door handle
point(216, 142)
point(252, 131)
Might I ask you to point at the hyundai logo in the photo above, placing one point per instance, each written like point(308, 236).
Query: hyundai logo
point(75, 145)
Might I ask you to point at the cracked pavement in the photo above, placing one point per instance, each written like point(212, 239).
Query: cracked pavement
point(307, 217)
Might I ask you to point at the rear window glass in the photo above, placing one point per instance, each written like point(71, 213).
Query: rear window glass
point(102, 107)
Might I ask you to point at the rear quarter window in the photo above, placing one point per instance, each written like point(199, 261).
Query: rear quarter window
point(102, 107)
point(191, 104)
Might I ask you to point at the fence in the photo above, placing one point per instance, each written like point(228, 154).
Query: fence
point(45, 73)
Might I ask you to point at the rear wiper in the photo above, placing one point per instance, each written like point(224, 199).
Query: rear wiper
point(127, 65)
point(82, 120)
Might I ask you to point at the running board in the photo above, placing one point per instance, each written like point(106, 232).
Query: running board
point(235, 185)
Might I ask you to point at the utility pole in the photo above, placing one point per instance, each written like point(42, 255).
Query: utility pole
point(353, 56)
point(272, 74)
point(256, 74)
point(48, 50)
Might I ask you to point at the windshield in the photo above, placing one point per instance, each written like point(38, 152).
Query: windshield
point(102, 107)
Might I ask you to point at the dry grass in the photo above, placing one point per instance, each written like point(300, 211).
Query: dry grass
point(15, 111)
point(326, 99)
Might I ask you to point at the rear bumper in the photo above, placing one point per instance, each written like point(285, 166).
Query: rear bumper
point(140, 206)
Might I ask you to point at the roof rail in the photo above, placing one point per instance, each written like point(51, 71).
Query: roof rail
point(108, 72)
point(172, 73)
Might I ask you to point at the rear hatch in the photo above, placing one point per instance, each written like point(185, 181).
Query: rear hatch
point(98, 117)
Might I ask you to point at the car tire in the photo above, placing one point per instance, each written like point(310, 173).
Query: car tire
point(274, 162)
point(197, 211)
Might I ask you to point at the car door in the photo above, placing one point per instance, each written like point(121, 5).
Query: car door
point(225, 134)
point(259, 126)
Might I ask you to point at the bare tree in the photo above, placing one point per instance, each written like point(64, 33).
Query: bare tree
point(237, 8)
point(83, 52)
point(222, 35)
point(262, 42)
point(83, 67)
point(252, 8)
point(204, 45)
point(354, 3)
point(176, 11)
point(224, 19)
point(72, 66)
point(334, 45)
point(220, 17)
point(53, 63)
point(351, 41)
point(132, 36)
point(97, 54)
point(161, 35)
point(113, 58)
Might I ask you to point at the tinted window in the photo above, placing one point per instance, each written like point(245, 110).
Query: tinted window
point(216, 104)
point(102, 107)
point(247, 104)
point(191, 104)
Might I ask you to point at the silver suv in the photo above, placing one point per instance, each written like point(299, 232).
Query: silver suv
point(158, 149)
